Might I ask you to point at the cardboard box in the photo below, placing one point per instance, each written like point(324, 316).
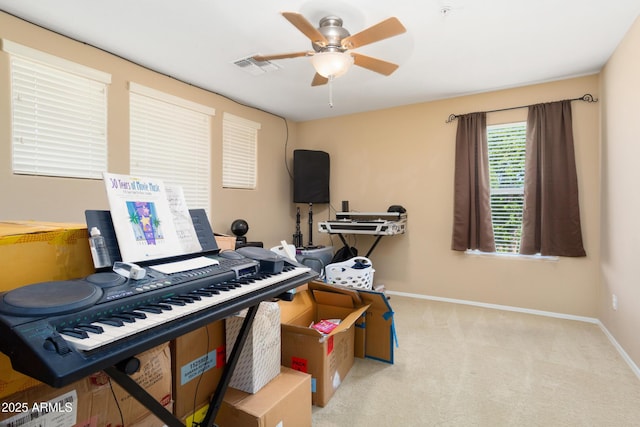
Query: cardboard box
point(224, 242)
point(375, 332)
point(90, 402)
point(328, 358)
point(198, 359)
point(284, 402)
point(154, 376)
point(148, 421)
point(59, 250)
point(379, 327)
point(33, 252)
point(259, 360)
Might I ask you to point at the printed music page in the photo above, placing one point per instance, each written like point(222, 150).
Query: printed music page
point(144, 219)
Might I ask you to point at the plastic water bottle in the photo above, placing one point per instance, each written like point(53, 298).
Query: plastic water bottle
point(99, 251)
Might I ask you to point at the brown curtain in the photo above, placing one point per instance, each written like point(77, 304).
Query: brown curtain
point(472, 227)
point(551, 217)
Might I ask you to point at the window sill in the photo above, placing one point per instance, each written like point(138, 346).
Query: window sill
point(536, 257)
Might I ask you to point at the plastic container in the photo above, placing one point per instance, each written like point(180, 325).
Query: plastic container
point(356, 272)
point(99, 251)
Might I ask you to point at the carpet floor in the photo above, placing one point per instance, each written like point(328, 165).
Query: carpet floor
point(461, 365)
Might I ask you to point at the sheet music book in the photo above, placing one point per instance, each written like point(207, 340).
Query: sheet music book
point(151, 219)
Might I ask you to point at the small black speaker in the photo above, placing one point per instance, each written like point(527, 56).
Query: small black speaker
point(310, 176)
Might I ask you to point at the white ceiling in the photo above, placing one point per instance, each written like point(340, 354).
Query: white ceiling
point(478, 46)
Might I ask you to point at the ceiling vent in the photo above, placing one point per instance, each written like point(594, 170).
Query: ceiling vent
point(254, 67)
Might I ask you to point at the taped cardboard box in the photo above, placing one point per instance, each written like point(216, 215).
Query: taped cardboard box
point(33, 252)
point(90, 402)
point(43, 405)
point(198, 359)
point(326, 357)
point(375, 332)
point(284, 402)
point(154, 376)
point(379, 327)
point(259, 360)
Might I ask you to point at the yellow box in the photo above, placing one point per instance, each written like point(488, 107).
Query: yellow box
point(33, 252)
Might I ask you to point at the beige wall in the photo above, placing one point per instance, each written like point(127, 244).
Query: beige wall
point(405, 156)
point(268, 209)
point(620, 194)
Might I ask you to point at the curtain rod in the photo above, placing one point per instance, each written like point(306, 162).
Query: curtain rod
point(586, 97)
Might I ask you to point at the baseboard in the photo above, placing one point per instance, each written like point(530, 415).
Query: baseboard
point(593, 320)
point(618, 347)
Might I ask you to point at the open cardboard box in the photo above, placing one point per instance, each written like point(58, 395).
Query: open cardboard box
point(378, 327)
point(327, 357)
point(375, 336)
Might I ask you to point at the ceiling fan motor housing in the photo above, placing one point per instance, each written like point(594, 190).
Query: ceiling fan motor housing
point(331, 28)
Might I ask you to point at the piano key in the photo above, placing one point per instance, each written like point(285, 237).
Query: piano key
point(126, 324)
point(77, 333)
point(111, 321)
point(124, 317)
point(90, 328)
point(149, 309)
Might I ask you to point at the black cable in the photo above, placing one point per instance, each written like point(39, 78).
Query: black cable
point(286, 143)
point(115, 399)
point(204, 366)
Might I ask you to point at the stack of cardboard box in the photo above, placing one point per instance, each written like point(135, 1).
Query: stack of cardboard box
point(287, 365)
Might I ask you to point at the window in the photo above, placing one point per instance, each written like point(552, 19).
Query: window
point(239, 152)
point(170, 139)
point(58, 115)
point(506, 145)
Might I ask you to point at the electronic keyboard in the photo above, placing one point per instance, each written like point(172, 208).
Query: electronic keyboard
point(59, 332)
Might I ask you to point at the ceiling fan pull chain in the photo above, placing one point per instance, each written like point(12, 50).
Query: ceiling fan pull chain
point(331, 91)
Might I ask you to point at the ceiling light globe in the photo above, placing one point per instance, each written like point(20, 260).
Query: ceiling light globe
point(332, 64)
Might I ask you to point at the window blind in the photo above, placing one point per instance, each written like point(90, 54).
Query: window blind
point(506, 144)
point(239, 152)
point(58, 115)
point(170, 140)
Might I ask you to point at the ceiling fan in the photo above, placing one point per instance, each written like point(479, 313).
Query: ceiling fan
point(332, 43)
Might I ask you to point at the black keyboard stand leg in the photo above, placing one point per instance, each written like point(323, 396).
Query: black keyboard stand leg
point(216, 400)
point(141, 395)
point(374, 245)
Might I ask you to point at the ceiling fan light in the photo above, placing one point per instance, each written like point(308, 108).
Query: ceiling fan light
point(332, 64)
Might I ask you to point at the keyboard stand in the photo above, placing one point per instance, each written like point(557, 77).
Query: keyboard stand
point(373, 246)
point(142, 396)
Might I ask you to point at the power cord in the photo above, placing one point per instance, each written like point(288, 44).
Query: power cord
point(115, 399)
point(195, 423)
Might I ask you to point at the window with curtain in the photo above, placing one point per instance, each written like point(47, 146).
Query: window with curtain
point(170, 139)
point(239, 152)
point(506, 145)
point(58, 115)
point(495, 188)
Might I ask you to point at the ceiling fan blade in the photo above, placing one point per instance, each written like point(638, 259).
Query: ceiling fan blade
point(319, 80)
point(388, 28)
point(374, 64)
point(279, 56)
point(306, 28)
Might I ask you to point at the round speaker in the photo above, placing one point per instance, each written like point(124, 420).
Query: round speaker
point(49, 298)
point(239, 227)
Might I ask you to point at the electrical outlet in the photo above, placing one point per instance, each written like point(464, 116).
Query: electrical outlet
point(614, 301)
